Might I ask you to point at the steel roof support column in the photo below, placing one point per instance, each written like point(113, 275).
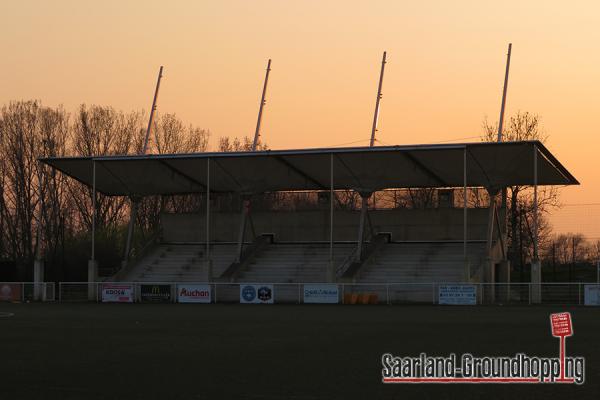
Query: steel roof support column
point(92, 263)
point(535, 204)
point(332, 271)
point(94, 211)
point(208, 261)
point(489, 272)
point(242, 232)
point(467, 268)
point(361, 226)
point(38, 262)
point(536, 266)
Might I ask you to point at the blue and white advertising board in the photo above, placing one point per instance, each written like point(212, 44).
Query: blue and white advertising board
point(592, 295)
point(457, 294)
point(328, 294)
point(257, 294)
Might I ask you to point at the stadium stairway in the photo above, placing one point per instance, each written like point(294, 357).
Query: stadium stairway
point(410, 272)
point(180, 263)
point(294, 262)
point(421, 262)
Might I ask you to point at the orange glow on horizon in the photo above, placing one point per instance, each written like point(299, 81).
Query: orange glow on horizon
point(444, 71)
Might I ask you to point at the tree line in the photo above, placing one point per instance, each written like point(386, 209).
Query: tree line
point(45, 213)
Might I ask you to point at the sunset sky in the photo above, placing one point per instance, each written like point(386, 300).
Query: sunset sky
point(444, 75)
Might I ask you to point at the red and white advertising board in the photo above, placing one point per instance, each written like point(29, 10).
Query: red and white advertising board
point(115, 293)
point(193, 293)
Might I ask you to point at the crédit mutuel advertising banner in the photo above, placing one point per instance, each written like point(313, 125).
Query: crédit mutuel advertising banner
point(321, 294)
point(117, 293)
point(193, 293)
point(257, 294)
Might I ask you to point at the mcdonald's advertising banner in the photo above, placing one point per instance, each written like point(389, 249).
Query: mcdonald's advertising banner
point(193, 293)
point(114, 293)
point(257, 294)
point(10, 292)
point(155, 293)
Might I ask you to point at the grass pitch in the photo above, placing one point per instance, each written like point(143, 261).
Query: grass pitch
point(181, 351)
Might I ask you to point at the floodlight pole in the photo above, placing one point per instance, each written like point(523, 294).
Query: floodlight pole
point(501, 127)
point(134, 206)
point(152, 111)
point(365, 197)
point(246, 201)
point(503, 106)
point(378, 100)
point(262, 105)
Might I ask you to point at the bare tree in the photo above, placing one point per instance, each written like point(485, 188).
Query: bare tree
point(522, 126)
point(103, 131)
point(28, 131)
point(171, 136)
point(227, 144)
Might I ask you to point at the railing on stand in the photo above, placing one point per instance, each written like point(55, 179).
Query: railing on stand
point(347, 293)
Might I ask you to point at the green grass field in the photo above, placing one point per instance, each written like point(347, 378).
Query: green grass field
point(176, 351)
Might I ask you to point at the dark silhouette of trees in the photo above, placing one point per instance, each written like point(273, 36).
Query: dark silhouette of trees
point(43, 212)
point(524, 126)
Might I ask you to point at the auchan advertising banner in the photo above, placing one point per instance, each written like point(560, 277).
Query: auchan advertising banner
point(193, 293)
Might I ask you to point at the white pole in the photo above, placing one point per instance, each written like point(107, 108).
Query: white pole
point(378, 100)
point(152, 110)
point(598, 272)
point(501, 122)
point(246, 201)
point(134, 205)
point(260, 109)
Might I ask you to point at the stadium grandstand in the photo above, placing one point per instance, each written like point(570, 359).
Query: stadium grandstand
point(448, 240)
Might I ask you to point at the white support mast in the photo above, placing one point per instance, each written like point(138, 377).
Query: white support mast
point(133, 213)
point(246, 201)
point(365, 197)
point(377, 101)
point(260, 109)
point(502, 107)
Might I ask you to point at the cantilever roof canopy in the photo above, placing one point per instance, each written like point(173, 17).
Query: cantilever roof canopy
point(359, 168)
